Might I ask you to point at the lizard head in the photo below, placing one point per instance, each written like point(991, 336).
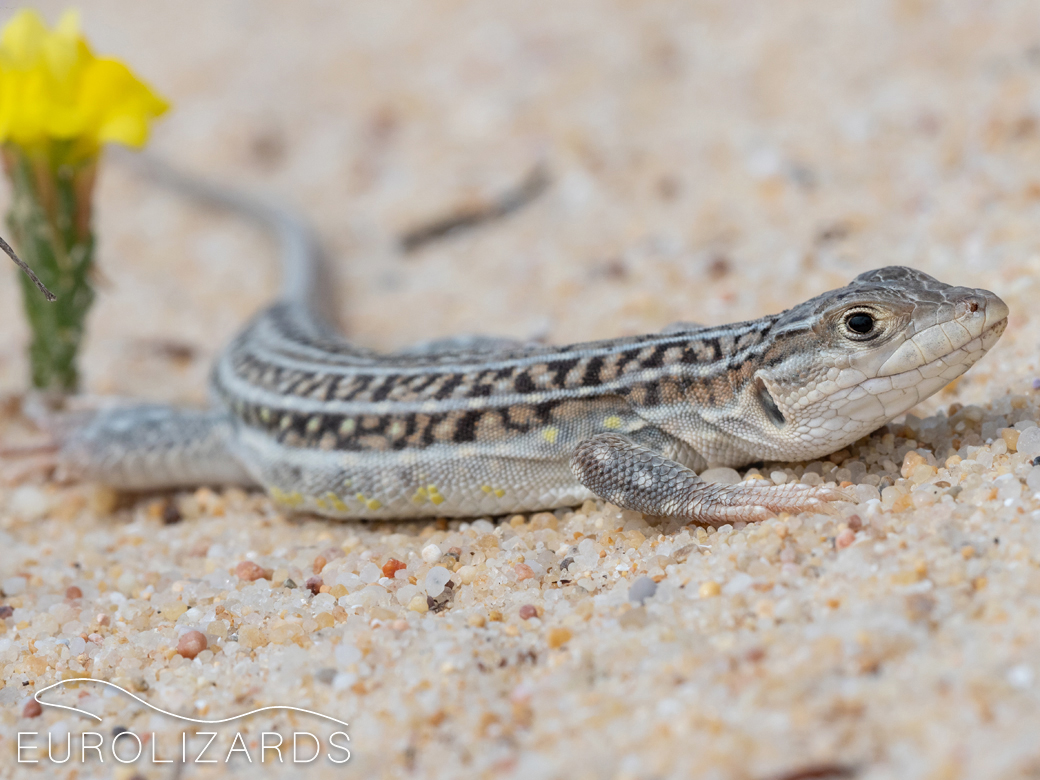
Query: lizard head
point(848, 361)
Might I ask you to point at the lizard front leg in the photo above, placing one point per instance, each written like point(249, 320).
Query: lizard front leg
point(632, 476)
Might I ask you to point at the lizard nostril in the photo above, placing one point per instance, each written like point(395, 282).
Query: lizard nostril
point(968, 305)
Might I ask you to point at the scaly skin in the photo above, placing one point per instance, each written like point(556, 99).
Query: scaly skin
point(486, 427)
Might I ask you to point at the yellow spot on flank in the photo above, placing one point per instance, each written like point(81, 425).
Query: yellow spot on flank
point(486, 488)
point(397, 428)
point(292, 500)
point(499, 492)
point(265, 414)
point(347, 426)
point(370, 503)
point(336, 502)
point(612, 423)
point(286, 421)
point(435, 495)
point(550, 434)
point(313, 424)
point(420, 496)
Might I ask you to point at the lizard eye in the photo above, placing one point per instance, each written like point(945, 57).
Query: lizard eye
point(860, 322)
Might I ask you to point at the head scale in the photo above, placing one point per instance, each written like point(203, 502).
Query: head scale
point(846, 362)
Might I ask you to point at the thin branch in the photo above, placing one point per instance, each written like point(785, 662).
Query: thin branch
point(530, 188)
point(18, 261)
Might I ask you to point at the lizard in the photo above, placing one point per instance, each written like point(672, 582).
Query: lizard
point(479, 426)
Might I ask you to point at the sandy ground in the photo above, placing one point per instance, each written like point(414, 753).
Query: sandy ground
point(710, 161)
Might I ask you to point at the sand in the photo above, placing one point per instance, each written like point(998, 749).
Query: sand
point(710, 162)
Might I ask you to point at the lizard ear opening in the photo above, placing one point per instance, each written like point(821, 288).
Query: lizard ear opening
point(769, 405)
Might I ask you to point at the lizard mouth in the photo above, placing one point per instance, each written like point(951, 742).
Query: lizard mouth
point(880, 399)
point(978, 315)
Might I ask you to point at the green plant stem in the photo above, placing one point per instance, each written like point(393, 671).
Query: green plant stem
point(49, 220)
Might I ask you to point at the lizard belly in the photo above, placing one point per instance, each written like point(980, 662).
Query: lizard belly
point(438, 481)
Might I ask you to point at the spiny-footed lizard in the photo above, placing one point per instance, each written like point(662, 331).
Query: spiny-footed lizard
point(481, 426)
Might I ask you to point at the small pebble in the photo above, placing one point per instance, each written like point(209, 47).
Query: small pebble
point(171, 514)
point(370, 573)
point(528, 611)
point(709, 589)
point(392, 566)
point(6, 610)
point(249, 571)
point(1036, 384)
point(313, 584)
point(642, 589)
point(73, 592)
point(431, 553)
point(1029, 442)
point(32, 709)
point(191, 643)
point(845, 539)
point(558, 637)
point(436, 579)
point(523, 572)
point(28, 502)
point(721, 476)
point(911, 461)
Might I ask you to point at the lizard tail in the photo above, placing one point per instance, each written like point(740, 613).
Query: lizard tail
point(304, 272)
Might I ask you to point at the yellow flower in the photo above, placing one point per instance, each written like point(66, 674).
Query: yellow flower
point(52, 87)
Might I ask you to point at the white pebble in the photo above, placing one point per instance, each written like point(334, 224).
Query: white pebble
point(436, 579)
point(721, 476)
point(1033, 479)
point(347, 654)
point(1020, 676)
point(77, 645)
point(406, 593)
point(12, 586)
point(1011, 488)
point(865, 493)
point(642, 589)
point(28, 503)
point(778, 477)
point(370, 572)
point(431, 553)
point(1029, 442)
point(739, 583)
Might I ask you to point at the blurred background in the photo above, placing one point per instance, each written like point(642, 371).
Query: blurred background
point(709, 161)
